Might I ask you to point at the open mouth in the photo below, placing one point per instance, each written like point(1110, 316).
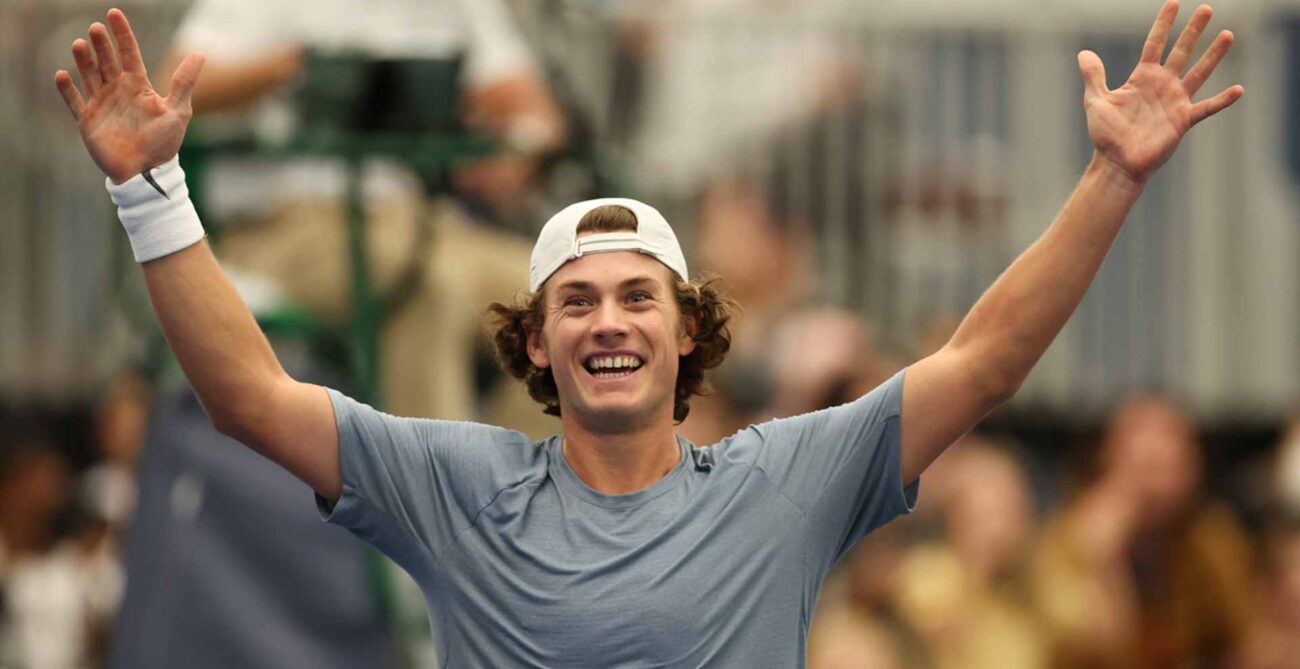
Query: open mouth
point(604, 366)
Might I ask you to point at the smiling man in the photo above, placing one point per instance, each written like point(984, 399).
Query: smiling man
point(618, 543)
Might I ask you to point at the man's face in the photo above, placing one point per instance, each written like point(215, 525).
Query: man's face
point(612, 338)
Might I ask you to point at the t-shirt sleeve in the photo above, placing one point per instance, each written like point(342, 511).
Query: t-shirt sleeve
point(410, 486)
point(841, 466)
point(497, 49)
point(232, 30)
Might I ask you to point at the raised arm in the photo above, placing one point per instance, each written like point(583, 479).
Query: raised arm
point(129, 130)
point(238, 84)
point(1134, 130)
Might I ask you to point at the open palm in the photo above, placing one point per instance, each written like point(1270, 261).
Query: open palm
point(126, 126)
point(1139, 125)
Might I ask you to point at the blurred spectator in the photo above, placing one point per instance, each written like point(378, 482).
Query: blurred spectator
point(708, 90)
point(295, 232)
point(847, 638)
point(104, 502)
point(968, 596)
point(1275, 643)
point(228, 564)
point(107, 488)
point(762, 252)
point(50, 616)
point(763, 261)
point(788, 355)
point(862, 619)
point(1286, 483)
point(1138, 570)
point(859, 624)
point(820, 358)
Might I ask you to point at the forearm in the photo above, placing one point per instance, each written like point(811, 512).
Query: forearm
point(1010, 327)
point(234, 85)
point(226, 358)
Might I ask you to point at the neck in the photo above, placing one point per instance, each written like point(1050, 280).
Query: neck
point(621, 462)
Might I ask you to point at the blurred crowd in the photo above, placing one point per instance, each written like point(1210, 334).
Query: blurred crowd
point(1128, 563)
point(1084, 551)
point(1013, 558)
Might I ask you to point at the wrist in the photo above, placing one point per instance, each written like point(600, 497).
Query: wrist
point(155, 209)
point(1112, 174)
point(530, 135)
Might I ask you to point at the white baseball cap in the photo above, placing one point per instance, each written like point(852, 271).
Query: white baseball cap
point(559, 243)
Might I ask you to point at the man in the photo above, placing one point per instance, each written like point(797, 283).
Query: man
point(617, 543)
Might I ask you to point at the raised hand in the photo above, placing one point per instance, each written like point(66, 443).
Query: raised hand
point(1138, 126)
point(126, 126)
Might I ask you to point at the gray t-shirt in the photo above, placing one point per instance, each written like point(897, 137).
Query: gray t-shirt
point(718, 564)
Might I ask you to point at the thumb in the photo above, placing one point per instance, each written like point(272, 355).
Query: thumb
point(1094, 73)
point(183, 80)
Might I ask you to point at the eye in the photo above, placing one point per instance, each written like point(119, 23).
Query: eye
point(639, 296)
point(577, 301)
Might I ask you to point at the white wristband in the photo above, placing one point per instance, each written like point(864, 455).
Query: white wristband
point(156, 211)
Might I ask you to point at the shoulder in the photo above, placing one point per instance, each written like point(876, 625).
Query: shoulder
point(459, 440)
point(740, 448)
point(872, 409)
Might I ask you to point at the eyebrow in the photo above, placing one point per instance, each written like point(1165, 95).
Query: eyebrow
point(588, 286)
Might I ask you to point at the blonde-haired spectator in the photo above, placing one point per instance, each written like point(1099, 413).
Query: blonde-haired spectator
point(1138, 570)
point(967, 596)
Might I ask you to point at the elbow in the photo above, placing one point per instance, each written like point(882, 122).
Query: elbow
point(997, 387)
point(1000, 391)
point(242, 415)
point(994, 374)
point(993, 384)
point(229, 423)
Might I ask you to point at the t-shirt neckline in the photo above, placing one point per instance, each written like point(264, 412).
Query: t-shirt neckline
point(572, 483)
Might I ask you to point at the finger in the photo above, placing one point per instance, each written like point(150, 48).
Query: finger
point(1207, 108)
point(1155, 44)
point(104, 56)
point(71, 96)
point(1094, 73)
point(127, 48)
point(1209, 60)
point(1182, 51)
point(86, 68)
point(183, 80)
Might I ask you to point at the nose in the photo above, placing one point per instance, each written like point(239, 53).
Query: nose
point(610, 323)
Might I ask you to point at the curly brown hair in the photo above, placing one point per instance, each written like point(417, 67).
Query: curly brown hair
point(705, 313)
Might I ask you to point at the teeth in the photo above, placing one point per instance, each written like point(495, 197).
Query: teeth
point(615, 362)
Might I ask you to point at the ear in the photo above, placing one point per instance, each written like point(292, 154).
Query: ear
point(537, 350)
point(686, 341)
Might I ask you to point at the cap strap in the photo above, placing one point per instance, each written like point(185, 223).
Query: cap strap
point(611, 241)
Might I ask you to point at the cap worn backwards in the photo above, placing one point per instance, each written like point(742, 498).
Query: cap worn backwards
point(559, 242)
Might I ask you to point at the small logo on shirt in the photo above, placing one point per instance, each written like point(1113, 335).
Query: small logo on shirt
point(703, 459)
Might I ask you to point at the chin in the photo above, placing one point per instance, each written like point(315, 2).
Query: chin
point(614, 415)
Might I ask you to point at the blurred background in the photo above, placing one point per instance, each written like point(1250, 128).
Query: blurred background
point(373, 174)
